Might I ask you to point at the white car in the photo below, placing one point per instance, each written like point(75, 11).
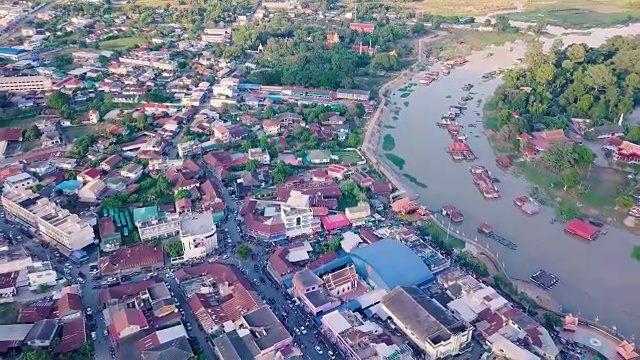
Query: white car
point(89, 311)
point(112, 279)
point(304, 331)
point(318, 350)
point(331, 354)
point(297, 331)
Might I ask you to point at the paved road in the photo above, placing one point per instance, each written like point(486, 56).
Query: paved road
point(16, 26)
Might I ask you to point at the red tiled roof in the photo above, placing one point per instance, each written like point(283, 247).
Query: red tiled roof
point(240, 299)
point(122, 292)
point(69, 303)
point(10, 134)
point(112, 160)
point(148, 342)
point(130, 258)
point(191, 165)
point(8, 280)
point(368, 235)
point(208, 190)
point(159, 322)
point(381, 188)
point(91, 173)
point(35, 312)
point(106, 226)
point(336, 221)
point(124, 318)
point(322, 260)
point(74, 335)
point(278, 261)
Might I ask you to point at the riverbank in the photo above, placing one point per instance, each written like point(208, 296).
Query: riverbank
point(585, 269)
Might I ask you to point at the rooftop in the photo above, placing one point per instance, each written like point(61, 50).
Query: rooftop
point(422, 315)
point(198, 224)
point(130, 258)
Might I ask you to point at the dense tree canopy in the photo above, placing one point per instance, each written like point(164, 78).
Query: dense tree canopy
point(577, 81)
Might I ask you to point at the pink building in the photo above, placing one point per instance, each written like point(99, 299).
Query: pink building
point(309, 288)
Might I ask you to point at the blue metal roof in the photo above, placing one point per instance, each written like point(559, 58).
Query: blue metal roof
point(69, 185)
point(395, 263)
point(11, 51)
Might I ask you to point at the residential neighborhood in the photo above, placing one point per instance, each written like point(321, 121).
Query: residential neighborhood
point(195, 181)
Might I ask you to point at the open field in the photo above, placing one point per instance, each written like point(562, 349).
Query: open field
point(464, 42)
point(348, 157)
point(464, 7)
point(121, 43)
point(73, 132)
point(574, 13)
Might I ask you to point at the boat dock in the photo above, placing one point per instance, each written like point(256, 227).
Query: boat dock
point(487, 231)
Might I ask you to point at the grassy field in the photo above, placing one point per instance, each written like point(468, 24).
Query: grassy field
point(580, 14)
point(395, 160)
point(388, 143)
point(349, 157)
point(122, 43)
point(478, 40)
point(463, 7)
point(73, 132)
point(8, 313)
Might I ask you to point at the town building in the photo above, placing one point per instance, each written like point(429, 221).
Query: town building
point(48, 219)
point(23, 84)
point(152, 224)
point(358, 215)
point(13, 258)
point(258, 335)
point(297, 215)
point(430, 326)
point(110, 239)
point(198, 235)
point(362, 339)
point(19, 181)
point(131, 259)
point(353, 94)
point(42, 333)
point(41, 274)
point(216, 35)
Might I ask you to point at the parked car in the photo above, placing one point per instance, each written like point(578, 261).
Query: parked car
point(318, 350)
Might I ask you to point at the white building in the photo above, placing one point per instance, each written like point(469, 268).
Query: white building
point(48, 219)
point(13, 258)
point(19, 181)
point(41, 273)
point(262, 156)
point(159, 228)
point(25, 83)
point(216, 35)
point(198, 235)
point(430, 326)
point(297, 215)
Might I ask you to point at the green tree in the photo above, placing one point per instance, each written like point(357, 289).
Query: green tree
point(31, 133)
point(552, 321)
point(599, 76)
point(584, 156)
point(34, 354)
point(174, 249)
point(246, 145)
point(252, 165)
point(103, 60)
point(418, 29)
point(571, 179)
point(62, 61)
point(559, 157)
point(354, 140)
point(244, 251)
point(281, 172)
point(269, 112)
point(58, 100)
point(625, 201)
point(633, 134)
point(183, 194)
point(360, 110)
point(70, 175)
point(37, 188)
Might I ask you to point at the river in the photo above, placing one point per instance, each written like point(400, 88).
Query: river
point(599, 279)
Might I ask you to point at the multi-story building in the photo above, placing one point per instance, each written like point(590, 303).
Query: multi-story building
point(429, 325)
point(156, 63)
point(216, 35)
point(198, 235)
point(297, 215)
point(25, 83)
point(353, 94)
point(13, 258)
point(41, 274)
point(48, 219)
point(19, 181)
point(159, 227)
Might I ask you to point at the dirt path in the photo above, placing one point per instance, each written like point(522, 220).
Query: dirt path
point(541, 296)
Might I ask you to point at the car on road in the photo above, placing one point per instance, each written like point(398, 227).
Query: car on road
point(318, 350)
point(89, 311)
point(331, 354)
point(112, 279)
point(303, 330)
point(297, 331)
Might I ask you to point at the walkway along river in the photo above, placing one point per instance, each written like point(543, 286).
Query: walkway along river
point(598, 279)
